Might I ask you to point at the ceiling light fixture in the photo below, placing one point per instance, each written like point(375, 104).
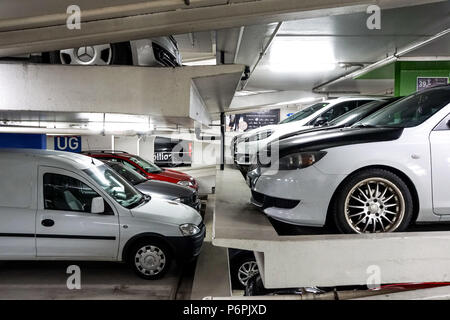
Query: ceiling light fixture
point(305, 55)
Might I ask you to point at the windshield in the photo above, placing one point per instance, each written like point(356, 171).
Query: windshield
point(302, 114)
point(129, 174)
point(119, 189)
point(356, 114)
point(410, 111)
point(146, 165)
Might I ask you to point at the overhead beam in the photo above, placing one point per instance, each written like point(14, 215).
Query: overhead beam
point(277, 98)
point(129, 20)
point(172, 93)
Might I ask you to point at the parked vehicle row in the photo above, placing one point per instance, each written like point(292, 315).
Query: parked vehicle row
point(63, 206)
point(381, 174)
point(146, 168)
point(157, 189)
point(244, 146)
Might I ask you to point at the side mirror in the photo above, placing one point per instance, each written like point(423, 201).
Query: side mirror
point(448, 123)
point(97, 205)
point(320, 121)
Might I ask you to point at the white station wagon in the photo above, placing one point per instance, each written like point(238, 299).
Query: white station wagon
point(64, 206)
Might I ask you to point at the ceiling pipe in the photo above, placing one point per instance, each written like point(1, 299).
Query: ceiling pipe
point(392, 58)
point(263, 52)
point(238, 44)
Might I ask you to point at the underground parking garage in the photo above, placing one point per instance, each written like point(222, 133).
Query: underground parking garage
point(224, 150)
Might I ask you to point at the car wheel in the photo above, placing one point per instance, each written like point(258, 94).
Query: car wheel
point(372, 201)
point(105, 54)
point(255, 287)
point(242, 269)
point(150, 259)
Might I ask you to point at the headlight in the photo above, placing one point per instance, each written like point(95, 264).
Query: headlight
point(300, 160)
point(261, 135)
point(189, 229)
point(184, 183)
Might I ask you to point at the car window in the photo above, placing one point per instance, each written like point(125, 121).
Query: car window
point(66, 193)
point(410, 111)
point(116, 186)
point(129, 174)
point(302, 114)
point(130, 166)
point(146, 165)
point(339, 110)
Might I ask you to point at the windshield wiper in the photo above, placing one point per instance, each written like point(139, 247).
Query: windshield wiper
point(143, 199)
point(364, 125)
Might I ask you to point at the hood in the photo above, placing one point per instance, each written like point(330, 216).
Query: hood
point(308, 130)
point(167, 211)
point(174, 174)
point(286, 128)
point(252, 132)
point(162, 189)
point(278, 129)
point(319, 140)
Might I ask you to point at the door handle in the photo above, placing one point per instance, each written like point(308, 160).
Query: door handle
point(48, 223)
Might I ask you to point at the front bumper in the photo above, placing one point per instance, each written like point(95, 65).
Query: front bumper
point(193, 202)
point(187, 248)
point(298, 197)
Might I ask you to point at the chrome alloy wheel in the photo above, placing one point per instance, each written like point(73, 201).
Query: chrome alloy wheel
point(246, 271)
point(87, 55)
point(150, 260)
point(374, 205)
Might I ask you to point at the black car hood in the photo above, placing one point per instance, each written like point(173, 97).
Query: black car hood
point(324, 139)
point(303, 131)
point(162, 189)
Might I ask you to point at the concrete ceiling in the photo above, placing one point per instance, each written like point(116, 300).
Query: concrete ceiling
point(307, 52)
point(41, 26)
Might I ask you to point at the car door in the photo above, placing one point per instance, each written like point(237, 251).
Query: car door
point(65, 226)
point(18, 205)
point(440, 166)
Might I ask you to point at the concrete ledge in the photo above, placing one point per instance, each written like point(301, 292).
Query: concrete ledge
point(212, 276)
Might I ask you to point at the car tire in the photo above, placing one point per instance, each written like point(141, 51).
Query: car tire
point(120, 54)
point(373, 200)
point(150, 259)
point(242, 268)
point(255, 287)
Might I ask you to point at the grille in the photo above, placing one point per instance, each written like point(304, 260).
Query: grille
point(268, 201)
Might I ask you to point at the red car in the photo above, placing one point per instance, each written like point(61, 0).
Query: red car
point(144, 167)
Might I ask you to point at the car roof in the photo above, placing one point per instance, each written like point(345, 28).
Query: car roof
point(108, 153)
point(67, 160)
point(353, 98)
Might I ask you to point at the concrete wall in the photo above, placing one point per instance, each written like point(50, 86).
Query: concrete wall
point(87, 142)
point(203, 152)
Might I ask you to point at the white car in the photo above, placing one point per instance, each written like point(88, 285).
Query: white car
point(388, 170)
point(247, 144)
point(63, 206)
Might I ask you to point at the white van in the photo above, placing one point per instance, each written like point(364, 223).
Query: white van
point(64, 206)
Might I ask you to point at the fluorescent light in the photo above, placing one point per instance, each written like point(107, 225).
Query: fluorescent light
point(301, 100)
point(205, 62)
point(301, 55)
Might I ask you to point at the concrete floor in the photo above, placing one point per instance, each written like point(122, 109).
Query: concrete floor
point(99, 280)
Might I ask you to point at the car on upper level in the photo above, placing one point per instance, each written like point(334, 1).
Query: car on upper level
point(245, 146)
point(147, 168)
point(65, 206)
point(349, 118)
point(157, 189)
point(153, 52)
point(385, 172)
